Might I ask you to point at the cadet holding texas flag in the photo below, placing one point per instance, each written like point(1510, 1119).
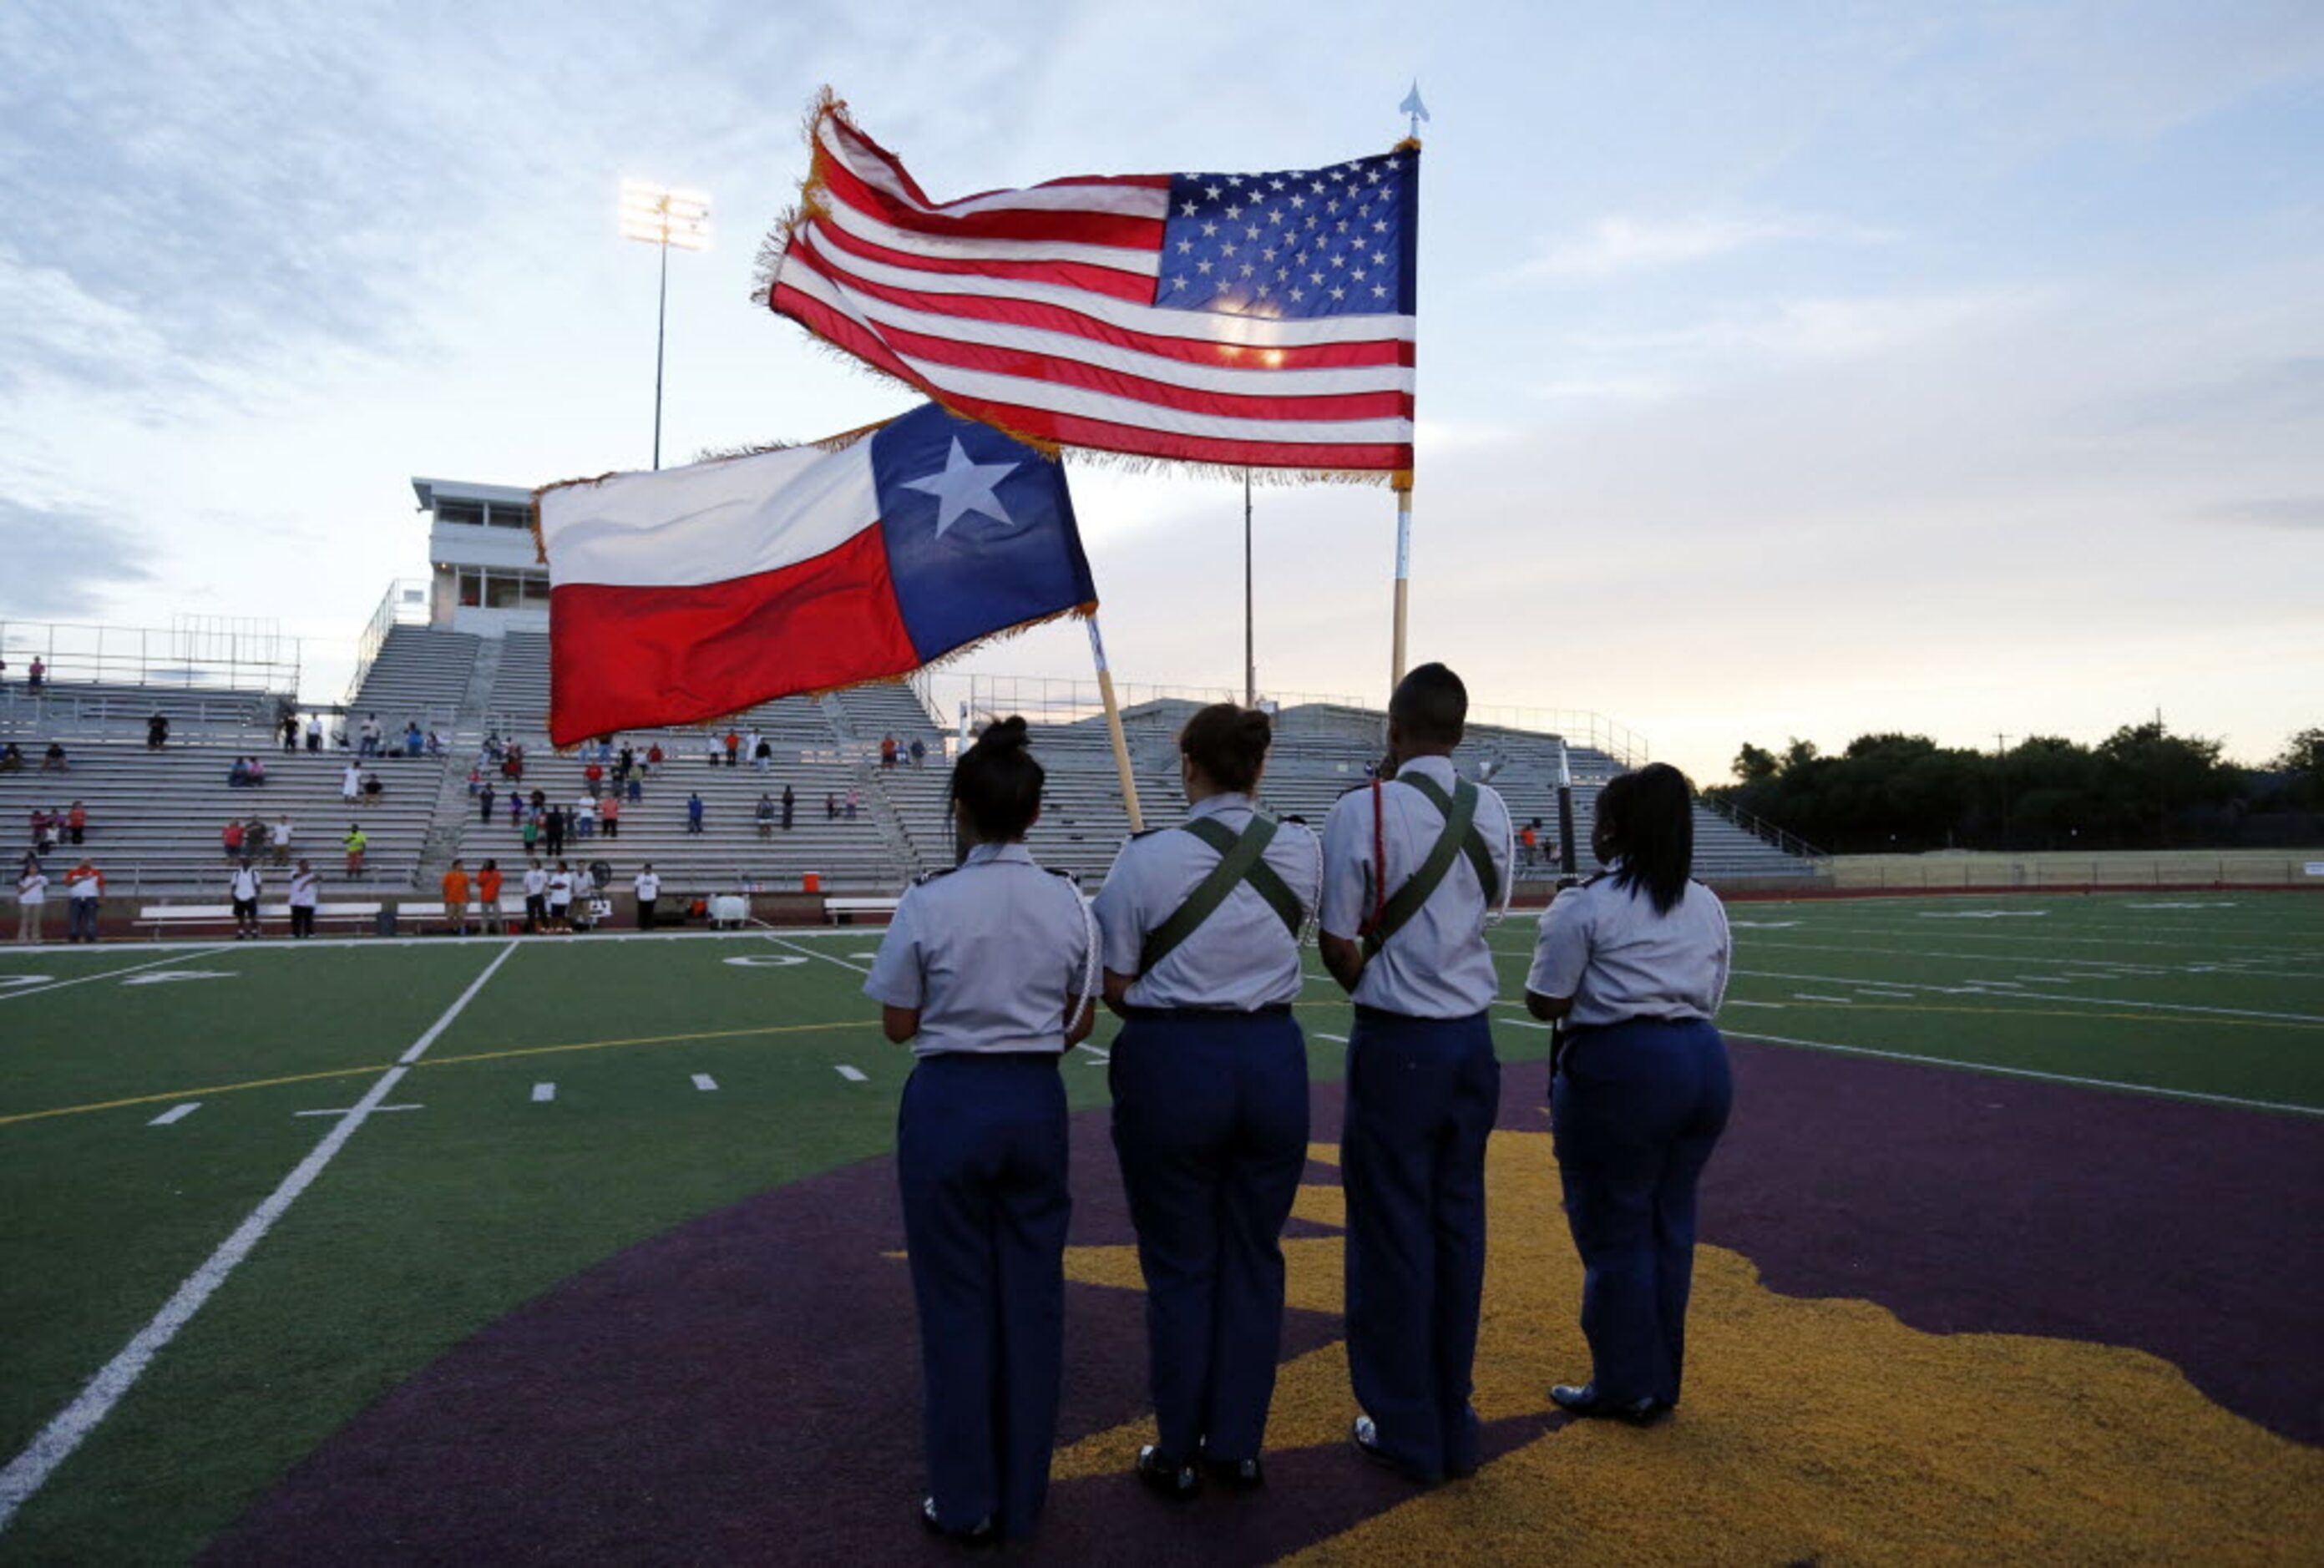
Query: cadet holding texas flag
point(688, 593)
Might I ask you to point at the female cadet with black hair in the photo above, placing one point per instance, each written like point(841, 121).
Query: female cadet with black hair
point(1201, 929)
point(1633, 964)
point(989, 970)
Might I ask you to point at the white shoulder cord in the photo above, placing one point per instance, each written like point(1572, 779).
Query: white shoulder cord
point(1091, 967)
point(1510, 859)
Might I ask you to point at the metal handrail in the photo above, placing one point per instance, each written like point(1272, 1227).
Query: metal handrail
point(1759, 828)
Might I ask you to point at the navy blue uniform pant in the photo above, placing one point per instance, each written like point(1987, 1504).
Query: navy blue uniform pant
point(1638, 1109)
point(1421, 1097)
point(981, 1157)
point(1209, 1121)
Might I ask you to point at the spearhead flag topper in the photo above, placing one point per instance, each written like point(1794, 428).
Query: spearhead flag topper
point(693, 593)
point(1230, 320)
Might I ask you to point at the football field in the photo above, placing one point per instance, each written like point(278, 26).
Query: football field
point(290, 1230)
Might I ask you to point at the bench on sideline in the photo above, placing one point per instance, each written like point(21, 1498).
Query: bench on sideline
point(844, 911)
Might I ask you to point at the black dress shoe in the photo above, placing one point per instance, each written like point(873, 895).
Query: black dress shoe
point(1177, 1482)
point(1242, 1475)
point(1365, 1434)
point(1582, 1399)
point(983, 1533)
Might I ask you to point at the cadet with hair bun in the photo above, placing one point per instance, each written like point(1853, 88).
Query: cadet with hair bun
point(989, 970)
point(1200, 930)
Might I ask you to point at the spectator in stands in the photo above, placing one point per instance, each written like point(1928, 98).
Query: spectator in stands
point(536, 897)
point(38, 675)
point(609, 815)
point(693, 813)
point(368, 745)
point(257, 773)
point(157, 732)
point(435, 742)
point(230, 835)
point(790, 803)
point(237, 775)
point(305, 894)
point(413, 739)
point(654, 755)
point(31, 900)
point(314, 743)
point(830, 806)
point(42, 830)
point(76, 823)
point(84, 900)
point(762, 754)
point(351, 784)
point(626, 764)
point(12, 758)
point(854, 800)
point(245, 886)
point(53, 760)
point(1529, 841)
point(734, 743)
point(552, 831)
point(354, 843)
point(488, 796)
point(253, 839)
point(278, 839)
point(372, 790)
point(765, 815)
point(289, 732)
point(887, 750)
point(920, 751)
point(488, 897)
point(530, 831)
point(456, 898)
point(637, 788)
point(584, 817)
point(493, 750)
point(593, 779)
point(648, 889)
point(517, 815)
point(560, 898)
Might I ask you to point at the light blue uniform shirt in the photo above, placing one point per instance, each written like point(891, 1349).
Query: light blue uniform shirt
point(1438, 965)
point(1242, 958)
point(1607, 948)
point(994, 954)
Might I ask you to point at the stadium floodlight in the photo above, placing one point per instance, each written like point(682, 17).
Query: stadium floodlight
point(659, 215)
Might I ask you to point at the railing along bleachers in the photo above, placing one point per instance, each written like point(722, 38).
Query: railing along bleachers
point(420, 676)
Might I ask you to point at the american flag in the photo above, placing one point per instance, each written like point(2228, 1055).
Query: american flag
point(1261, 320)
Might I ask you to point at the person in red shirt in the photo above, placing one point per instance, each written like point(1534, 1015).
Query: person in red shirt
point(733, 747)
point(84, 892)
point(232, 838)
point(76, 823)
point(609, 815)
point(593, 775)
point(488, 896)
point(455, 899)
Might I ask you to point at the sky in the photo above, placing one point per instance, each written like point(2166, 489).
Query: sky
point(1785, 370)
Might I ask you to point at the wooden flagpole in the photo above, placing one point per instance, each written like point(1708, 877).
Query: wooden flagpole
point(1402, 574)
point(1113, 727)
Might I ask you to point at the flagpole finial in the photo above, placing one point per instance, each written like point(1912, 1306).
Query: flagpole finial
point(1414, 109)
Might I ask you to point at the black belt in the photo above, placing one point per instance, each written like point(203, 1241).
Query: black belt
point(1272, 1010)
point(1364, 1010)
point(1050, 1057)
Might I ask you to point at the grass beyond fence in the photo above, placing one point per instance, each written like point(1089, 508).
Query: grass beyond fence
point(2180, 868)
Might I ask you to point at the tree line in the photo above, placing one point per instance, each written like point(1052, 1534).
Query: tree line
point(2141, 788)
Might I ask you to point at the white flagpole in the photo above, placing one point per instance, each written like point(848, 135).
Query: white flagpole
point(1415, 112)
point(1113, 727)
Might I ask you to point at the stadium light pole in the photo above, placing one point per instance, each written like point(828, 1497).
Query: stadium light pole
point(658, 215)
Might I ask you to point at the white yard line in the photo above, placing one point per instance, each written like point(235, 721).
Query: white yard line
point(176, 1114)
point(827, 958)
point(852, 1074)
point(1739, 1001)
point(29, 1471)
point(706, 1083)
point(1818, 996)
point(1337, 1039)
point(105, 974)
point(2044, 1077)
point(1977, 988)
point(345, 1110)
point(543, 1093)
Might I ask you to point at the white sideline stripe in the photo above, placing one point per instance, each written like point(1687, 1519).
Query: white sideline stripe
point(705, 1081)
point(852, 1074)
point(343, 1111)
point(1818, 996)
point(176, 1114)
point(105, 974)
point(55, 1443)
point(1739, 1001)
point(1978, 988)
point(543, 1093)
point(2044, 1077)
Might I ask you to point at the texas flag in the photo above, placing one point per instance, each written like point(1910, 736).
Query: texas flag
point(694, 593)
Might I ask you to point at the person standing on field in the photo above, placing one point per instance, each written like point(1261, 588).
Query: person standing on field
point(246, 888)
point(305, 889)
point(648, 889)
point(456, 898)
point(560, 898)
point(31, 900)
point(488, 897)
point(83, 895)
point(536, 898)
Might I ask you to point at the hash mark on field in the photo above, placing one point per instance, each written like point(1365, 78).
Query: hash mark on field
point(1341, 1039)
point(852, 1074)
point(350, 1110)
point(1817, 996)
point(705, 1081)
point(543, 1093)
point(1739, 1001)
point(176, 1114)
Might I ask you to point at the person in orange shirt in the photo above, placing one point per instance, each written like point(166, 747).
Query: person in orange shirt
point(455, 899)
point(488, 896)
point(609, 816)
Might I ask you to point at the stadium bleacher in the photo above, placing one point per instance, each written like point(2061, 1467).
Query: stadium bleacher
point(156, 816)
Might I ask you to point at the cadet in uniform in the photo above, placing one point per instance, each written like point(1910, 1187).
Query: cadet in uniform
point(989, 970)
point(1634, 963)
point(1412, 868)
point(1201, 927)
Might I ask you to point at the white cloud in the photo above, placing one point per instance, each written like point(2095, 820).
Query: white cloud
point(1621, 242)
